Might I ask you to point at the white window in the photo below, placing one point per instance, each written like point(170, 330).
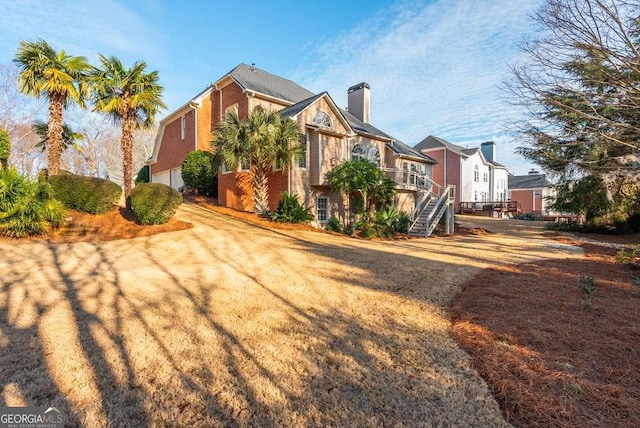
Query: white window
point(537, 194)
point(245, 165)
point(322, 206)
point(485, 177)
point(233, 108)
point(183, 127)
point(358, 152)
point(476, 174)
point(225, 170)
point(374, 156)
point(302, 160)
point(475, 196)
point(321, 118)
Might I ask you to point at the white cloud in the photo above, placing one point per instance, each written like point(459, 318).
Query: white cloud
point(80, 28)
point(434, 68)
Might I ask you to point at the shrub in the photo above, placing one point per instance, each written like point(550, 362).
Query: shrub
point(87, 194)
point(5, 149)
point(200, 173)
point(403, 222)
point(27, 207)
point(154, 203)
point(291, 211)
point(386, 221)
point(333, 225)
point(143, 175)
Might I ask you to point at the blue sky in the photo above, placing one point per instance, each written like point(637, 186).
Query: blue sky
point(434, 67)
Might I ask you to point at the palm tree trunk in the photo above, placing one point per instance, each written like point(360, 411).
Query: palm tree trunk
point(126, 144)
point(260, 190)
point(54, 133)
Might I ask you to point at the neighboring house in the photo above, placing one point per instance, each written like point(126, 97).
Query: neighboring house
point(475, 172)
point(331, 135)
point(533, 191)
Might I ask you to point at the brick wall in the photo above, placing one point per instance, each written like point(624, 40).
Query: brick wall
point(173, 149)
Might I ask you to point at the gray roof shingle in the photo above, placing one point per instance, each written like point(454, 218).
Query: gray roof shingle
point(432, 142)
point(529, 181)
point(297, 108)
point(253, 79)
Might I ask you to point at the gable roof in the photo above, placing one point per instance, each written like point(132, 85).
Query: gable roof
point(401, 149)
point(296, 109)
point(433, 142)
point(529, 181)
point(253, 79)
point(496, 164)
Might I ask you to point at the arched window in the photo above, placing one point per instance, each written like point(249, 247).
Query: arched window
point(374, 156)
point(358, 152)
point(321, 118)
point(476, 174)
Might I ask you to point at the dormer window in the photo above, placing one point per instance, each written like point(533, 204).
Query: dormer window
point(322, 119)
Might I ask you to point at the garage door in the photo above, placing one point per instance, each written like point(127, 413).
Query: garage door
point(176, 178)
point(163, 177)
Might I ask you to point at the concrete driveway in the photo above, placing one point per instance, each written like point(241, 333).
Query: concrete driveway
point(233, 324)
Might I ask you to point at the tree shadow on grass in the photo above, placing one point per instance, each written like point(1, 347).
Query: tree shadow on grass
point(228, 324)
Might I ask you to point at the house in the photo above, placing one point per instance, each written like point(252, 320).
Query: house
point(474, 172)
point(331, 135)
point(533, 191)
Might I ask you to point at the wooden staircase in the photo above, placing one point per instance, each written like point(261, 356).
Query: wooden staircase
point(430, 208)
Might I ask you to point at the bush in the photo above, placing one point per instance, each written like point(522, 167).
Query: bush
point(386, 221)
point(154, 203)
point(27, 207)
point(87, 194)
point(5, 149)
point(143, 175)
point(291, 211)
point(200, 173)
point(333, 225)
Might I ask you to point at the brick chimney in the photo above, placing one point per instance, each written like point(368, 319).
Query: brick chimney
point(489, 150)
point(359, 100)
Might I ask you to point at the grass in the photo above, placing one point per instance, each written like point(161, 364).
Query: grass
point(229, 324)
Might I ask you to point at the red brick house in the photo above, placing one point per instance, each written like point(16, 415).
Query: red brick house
point(332, 135)
point(533, 191)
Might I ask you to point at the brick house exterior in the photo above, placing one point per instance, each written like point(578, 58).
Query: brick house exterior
point(534, 191)
point(332, 135)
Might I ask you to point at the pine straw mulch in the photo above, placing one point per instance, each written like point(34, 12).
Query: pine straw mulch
point(548, 360)
point(118, 223)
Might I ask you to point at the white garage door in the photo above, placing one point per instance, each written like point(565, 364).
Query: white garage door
point(163, 177)
point(176, 178)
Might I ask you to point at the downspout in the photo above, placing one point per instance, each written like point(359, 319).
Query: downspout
point(194, 106)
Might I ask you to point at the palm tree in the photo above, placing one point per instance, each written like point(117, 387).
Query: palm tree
point(56, 76)
point(69, 136)
point(131, 97)
point(265, 141)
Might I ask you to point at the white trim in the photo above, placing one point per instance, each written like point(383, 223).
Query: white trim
point(195, 102)
point(326, 209)
point(183, 127)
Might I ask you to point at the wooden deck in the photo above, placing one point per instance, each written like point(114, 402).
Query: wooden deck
point(490, 209)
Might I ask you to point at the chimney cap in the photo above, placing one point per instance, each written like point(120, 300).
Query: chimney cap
point(358, 86)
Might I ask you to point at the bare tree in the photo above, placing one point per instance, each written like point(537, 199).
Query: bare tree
point(581, 87)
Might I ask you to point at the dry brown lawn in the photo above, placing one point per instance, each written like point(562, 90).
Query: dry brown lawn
point(231, 324)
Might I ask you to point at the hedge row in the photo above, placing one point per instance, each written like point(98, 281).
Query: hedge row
point(88, 194)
